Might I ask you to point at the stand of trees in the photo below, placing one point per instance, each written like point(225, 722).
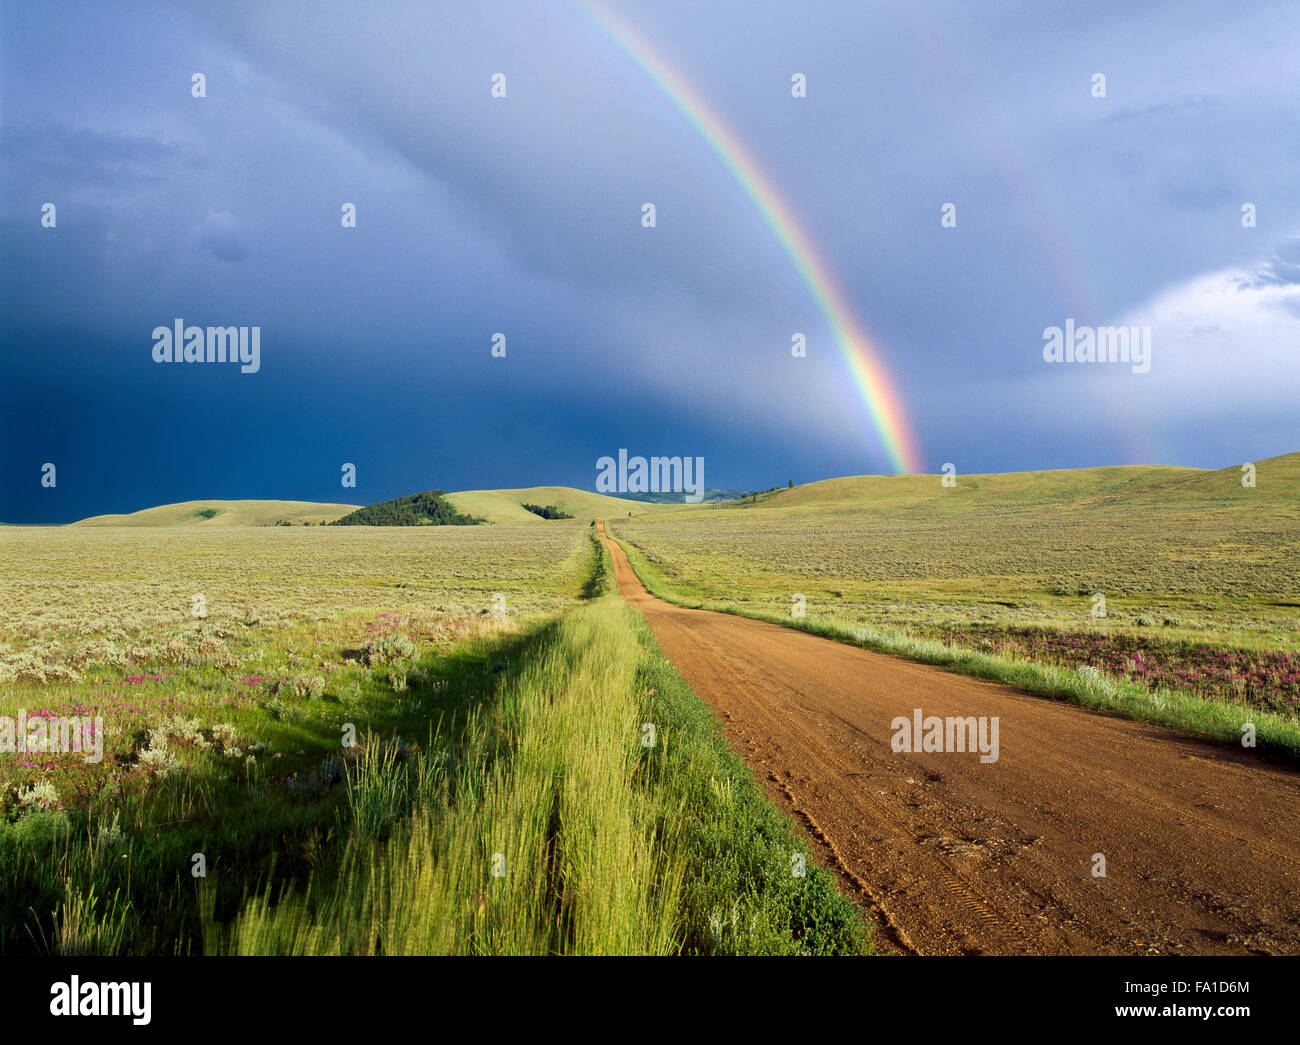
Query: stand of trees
point(419, 509)
point(547, 511)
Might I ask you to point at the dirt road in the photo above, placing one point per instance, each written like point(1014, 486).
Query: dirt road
point(955, 855)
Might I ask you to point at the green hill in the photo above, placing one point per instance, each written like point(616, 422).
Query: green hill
point(1133, 486)
point(502, 506)
point(1188, 551)
point(497, 506)
point(1277, 479)
point(225, 513)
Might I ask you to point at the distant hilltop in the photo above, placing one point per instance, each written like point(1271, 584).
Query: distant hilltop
point(432, 507)
point(1152, 486)
point(225, 513)
point(710, 497)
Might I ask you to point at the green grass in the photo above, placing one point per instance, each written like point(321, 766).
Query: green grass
point(126, 840)
point(280, 661)
point(524, 742)
point(562, 833)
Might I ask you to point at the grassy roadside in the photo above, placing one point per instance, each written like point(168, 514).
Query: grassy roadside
point(118, 876)
point(592, 807)
point(1214, 720)
point(749, 885)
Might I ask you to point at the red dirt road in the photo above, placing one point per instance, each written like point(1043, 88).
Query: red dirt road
point(952, 855)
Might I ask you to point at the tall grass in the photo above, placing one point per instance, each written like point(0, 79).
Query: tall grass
point(132, 849)
point(539, 842)
point(557, 831)
point(528, 819)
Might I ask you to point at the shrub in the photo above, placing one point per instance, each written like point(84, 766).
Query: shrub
point(226, 740)
point(42, 798)
point(306, 687)
point(389, 648)
point(183, 731)
point(157, 759)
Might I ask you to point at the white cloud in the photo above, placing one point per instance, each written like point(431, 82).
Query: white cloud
point(1225, 339)
point(1223, 383)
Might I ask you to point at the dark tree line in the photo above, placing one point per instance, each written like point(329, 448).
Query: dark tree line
point(547, 511)
point(419, 509)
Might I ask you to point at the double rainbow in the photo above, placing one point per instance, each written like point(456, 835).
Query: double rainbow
point(862, 356)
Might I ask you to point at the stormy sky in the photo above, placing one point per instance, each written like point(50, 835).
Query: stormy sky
point(522, 215)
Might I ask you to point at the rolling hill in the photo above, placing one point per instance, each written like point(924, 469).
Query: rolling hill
point(502, 506)
point(496, 506)
point(225, 513)
point(1277, 478)
point(1156, 486)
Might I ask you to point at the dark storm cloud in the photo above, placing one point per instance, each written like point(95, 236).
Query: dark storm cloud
point(478, 215)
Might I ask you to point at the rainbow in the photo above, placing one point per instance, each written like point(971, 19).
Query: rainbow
point(862, 356)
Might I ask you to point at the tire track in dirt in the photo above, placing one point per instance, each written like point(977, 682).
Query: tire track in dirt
point(951, 855)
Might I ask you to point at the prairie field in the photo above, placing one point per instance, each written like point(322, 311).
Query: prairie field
point(308, 733)
point(71, 598)
point(1167, 577)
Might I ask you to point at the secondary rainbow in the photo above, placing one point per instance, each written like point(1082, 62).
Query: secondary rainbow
point(863, 358)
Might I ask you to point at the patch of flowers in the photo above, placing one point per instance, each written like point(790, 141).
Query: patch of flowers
point(1265, 679)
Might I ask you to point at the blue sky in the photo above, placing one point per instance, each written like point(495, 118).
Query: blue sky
point(522, 215)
